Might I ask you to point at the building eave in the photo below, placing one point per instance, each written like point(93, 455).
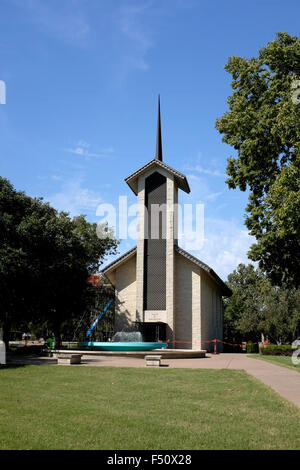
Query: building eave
point(132, 180)
point(119, 261)
point(212, 274)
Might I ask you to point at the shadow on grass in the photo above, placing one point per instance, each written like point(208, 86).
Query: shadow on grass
point(12, 366)
point(13, 360)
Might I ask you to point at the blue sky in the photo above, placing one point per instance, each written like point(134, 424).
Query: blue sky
point(82, 79)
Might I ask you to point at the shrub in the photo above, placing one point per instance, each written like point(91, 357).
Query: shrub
point(274, 350)
point(251, 348)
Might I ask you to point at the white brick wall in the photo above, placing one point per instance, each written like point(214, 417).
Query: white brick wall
point(187, 303)
point(140, 250)
point(125, 292)
point(211, 312)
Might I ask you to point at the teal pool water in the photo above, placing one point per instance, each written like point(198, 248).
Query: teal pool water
point(123, 346)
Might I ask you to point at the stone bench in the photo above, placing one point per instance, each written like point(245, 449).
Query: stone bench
point(69, 358)
point(153, 360)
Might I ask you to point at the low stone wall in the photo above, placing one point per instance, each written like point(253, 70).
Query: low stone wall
point(165, 353)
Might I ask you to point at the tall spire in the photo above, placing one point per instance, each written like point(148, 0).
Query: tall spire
point(158, 154)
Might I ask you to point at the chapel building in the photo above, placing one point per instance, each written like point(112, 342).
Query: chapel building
point(161, 289)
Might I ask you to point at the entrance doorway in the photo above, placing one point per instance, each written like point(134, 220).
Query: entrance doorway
point(153, 332)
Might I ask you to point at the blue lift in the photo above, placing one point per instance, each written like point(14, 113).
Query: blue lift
point(98, 318)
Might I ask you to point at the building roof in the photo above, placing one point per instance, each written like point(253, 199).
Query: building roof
point(224, 288)
point(132, 180)
point(119, 261)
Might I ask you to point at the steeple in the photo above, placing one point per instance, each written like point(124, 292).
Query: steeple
point(157, 164)
point(158, 154)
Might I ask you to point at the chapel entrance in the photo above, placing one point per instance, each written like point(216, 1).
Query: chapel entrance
point(153, 332)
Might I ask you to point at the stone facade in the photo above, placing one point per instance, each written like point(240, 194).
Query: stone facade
point(211, 312)
point(140, 251)
point(125, 295)
point(187, 300)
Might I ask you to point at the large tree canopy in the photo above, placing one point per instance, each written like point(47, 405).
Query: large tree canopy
point(45, 260)
point(257, 309)
point(263, 126)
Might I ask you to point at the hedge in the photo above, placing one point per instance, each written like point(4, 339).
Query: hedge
point(274, 350)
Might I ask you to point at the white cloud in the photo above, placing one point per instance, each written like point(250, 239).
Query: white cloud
point(226, 244)
point(193, 177)
point(202, 189)
point(82, 149)
point(213, 196)
point(206, 171)
point(75, 199)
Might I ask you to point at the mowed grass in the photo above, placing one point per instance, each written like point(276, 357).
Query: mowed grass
point(284, 361)
point(63, 407)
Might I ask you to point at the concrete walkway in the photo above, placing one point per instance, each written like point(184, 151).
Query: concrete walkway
point(283, 380)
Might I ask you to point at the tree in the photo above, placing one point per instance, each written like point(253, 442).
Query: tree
point(16, 277)
point(282, 314)
point(263, 126)
point(244, 316)
point(75, 252)
point(97, 297)
point(278, 248)
point(257, 308)
point(45, 260)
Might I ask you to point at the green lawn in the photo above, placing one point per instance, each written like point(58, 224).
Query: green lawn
point(63, 407)
point(284, 361)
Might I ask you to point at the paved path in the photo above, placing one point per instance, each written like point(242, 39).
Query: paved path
point(283, 380)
